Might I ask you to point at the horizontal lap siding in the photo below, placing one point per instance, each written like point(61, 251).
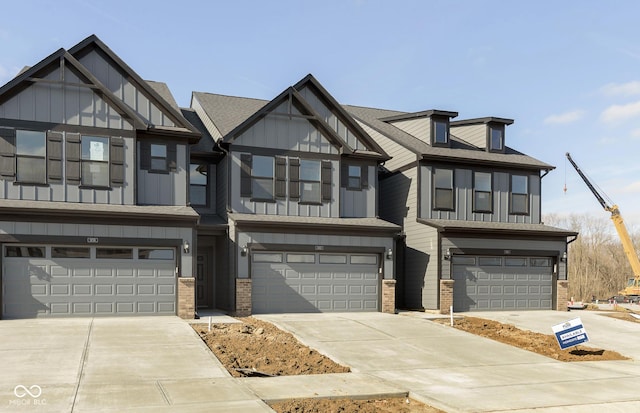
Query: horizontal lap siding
point(400, 156)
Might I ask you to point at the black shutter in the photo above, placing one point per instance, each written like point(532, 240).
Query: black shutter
point(8, 153)
point(73, 151)
point(245, 175)
point(145, 155)
point(281, 177)
point(364, 177)
point(116, 158)
point(326, 180)
point(172, 157)
point(54, 155)
point(294, 178)
point(344, 175)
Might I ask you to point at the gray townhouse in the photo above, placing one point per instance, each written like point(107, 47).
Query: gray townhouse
point(116, 201)
point(470, 209)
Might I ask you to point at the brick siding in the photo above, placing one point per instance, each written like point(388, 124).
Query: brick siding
point(389, 296)
point(243, 297)
point(446, 296)
point(186, 297)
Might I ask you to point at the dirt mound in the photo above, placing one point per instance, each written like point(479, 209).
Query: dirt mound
point(347, 405)
point(544, 344)
point(260, 346)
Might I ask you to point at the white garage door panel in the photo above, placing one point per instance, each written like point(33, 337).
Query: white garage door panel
point(291, 282)
point(509, 283)
point(44, 287)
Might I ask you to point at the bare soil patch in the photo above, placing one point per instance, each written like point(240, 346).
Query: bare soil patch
point(544, 344)
point(347, 405)
point(623, 314)
point(254, 347)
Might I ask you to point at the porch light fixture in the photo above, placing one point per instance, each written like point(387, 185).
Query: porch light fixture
point(389, 254)
point(447, 255)
point(186, 247)
point(244, 251)
point(564, 257)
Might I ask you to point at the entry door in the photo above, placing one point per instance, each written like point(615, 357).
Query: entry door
point(203, 279)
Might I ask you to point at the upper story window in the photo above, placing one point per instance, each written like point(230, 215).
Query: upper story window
point(354, 177)
point(482, 192)
point(262, 174)
point(496, 138)
point(31, 157)
point(440, 134)
point(95, 161)
point(443, 189)
point(198, 184)
point(159, 157)
point(519, 194)
point(310, 181)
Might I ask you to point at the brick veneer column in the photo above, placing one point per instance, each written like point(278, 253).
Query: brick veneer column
point(562, 287)
point(186, 297)
point(389, 296)
point(446, 296)
point(243, 297)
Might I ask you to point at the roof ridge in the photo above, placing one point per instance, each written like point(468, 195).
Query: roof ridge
point(230, 96)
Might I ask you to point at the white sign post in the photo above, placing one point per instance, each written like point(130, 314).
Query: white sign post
point(570, 333)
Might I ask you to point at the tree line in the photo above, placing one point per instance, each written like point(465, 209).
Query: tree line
point(597, 264)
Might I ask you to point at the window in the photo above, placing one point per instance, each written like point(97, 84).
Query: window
point(443, 189)
point(198, 184)
point(482, 192)
point(114, 253)
point(155, 254)
point(519, 194)
point(440, 132)
point(22, 251)
point(354, 180)
point(496, 138)
point(95, 161)
point(70, 252)
point(158, 157)
point(515, 262)
point(31, 153)
point(262, 170)
point(310, 181)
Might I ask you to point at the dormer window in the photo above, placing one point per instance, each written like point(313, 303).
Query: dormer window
point(440, 132)
point(496, 138)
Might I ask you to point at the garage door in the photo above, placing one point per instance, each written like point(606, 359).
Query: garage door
point(502, 283)
point(314, 282)
point(50, 281)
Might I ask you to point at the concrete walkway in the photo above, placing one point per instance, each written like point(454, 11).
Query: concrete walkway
point(146, 364)
point(459, 372)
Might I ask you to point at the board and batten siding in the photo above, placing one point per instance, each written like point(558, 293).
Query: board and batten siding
point(278, 131)
point(360, 203)
point(463, 197)
point(164, 188)
point(420, 128)
point(476, 135)
point(146, 235)
point(135, 98)
point(284, 206)
point(419, 278)
point(331, 119)
point(68, 105)
point(61, 191)
point(400, 156)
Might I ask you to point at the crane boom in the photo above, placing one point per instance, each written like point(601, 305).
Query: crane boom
point(633, 288)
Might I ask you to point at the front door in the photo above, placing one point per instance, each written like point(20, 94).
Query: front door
point(203, 279)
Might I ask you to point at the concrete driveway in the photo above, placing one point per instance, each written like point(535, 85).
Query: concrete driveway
point(459, 372)
point(148, 364)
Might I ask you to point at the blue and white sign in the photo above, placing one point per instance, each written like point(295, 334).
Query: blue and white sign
point(570, 333)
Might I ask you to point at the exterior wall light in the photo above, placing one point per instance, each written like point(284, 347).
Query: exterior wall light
point(244, 251)
point(564, 257)
point(186, 247)
point(447, 255)
point(389, 254)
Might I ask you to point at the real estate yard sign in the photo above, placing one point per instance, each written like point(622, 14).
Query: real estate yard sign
point(570, 333)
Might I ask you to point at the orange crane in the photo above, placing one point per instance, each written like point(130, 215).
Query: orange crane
point(632, 290)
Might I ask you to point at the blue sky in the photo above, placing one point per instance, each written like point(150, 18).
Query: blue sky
point(567, 72)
